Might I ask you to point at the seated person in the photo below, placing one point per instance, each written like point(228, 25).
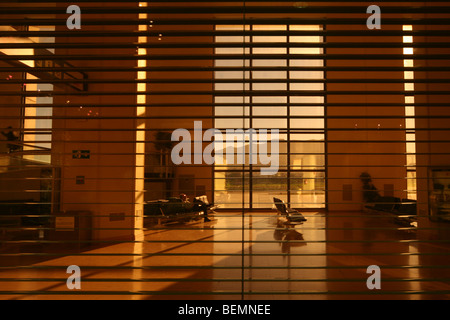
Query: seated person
point(184, 198)
point(370, 192)
point(10, 136)
point(371, 195)
point(198, 205)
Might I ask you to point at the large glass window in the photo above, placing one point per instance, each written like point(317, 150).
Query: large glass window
point(36, 109)
point(37, 124)
point(277, 84)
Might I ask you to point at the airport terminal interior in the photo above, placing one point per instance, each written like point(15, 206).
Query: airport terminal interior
point(236, 150)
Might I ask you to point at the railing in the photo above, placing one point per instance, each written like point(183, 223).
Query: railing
point(22, 150)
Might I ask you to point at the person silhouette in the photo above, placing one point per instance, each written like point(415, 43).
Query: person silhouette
point(197, 204)
point(10, 136)
point(370, 192)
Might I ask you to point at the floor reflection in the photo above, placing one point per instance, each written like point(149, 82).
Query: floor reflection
point(288, 237)
point(235, 256)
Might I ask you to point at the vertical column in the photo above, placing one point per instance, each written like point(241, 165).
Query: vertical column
point(410, 114)
point(364, 129)
point(140, 129)
point(99, 124)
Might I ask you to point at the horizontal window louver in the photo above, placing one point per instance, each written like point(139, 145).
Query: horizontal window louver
point(235, 150)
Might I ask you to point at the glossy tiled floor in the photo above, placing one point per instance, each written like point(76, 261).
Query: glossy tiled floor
point(325, 258)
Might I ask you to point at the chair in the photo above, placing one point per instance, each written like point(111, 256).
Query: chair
point(292, 215)
point(172, 210)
